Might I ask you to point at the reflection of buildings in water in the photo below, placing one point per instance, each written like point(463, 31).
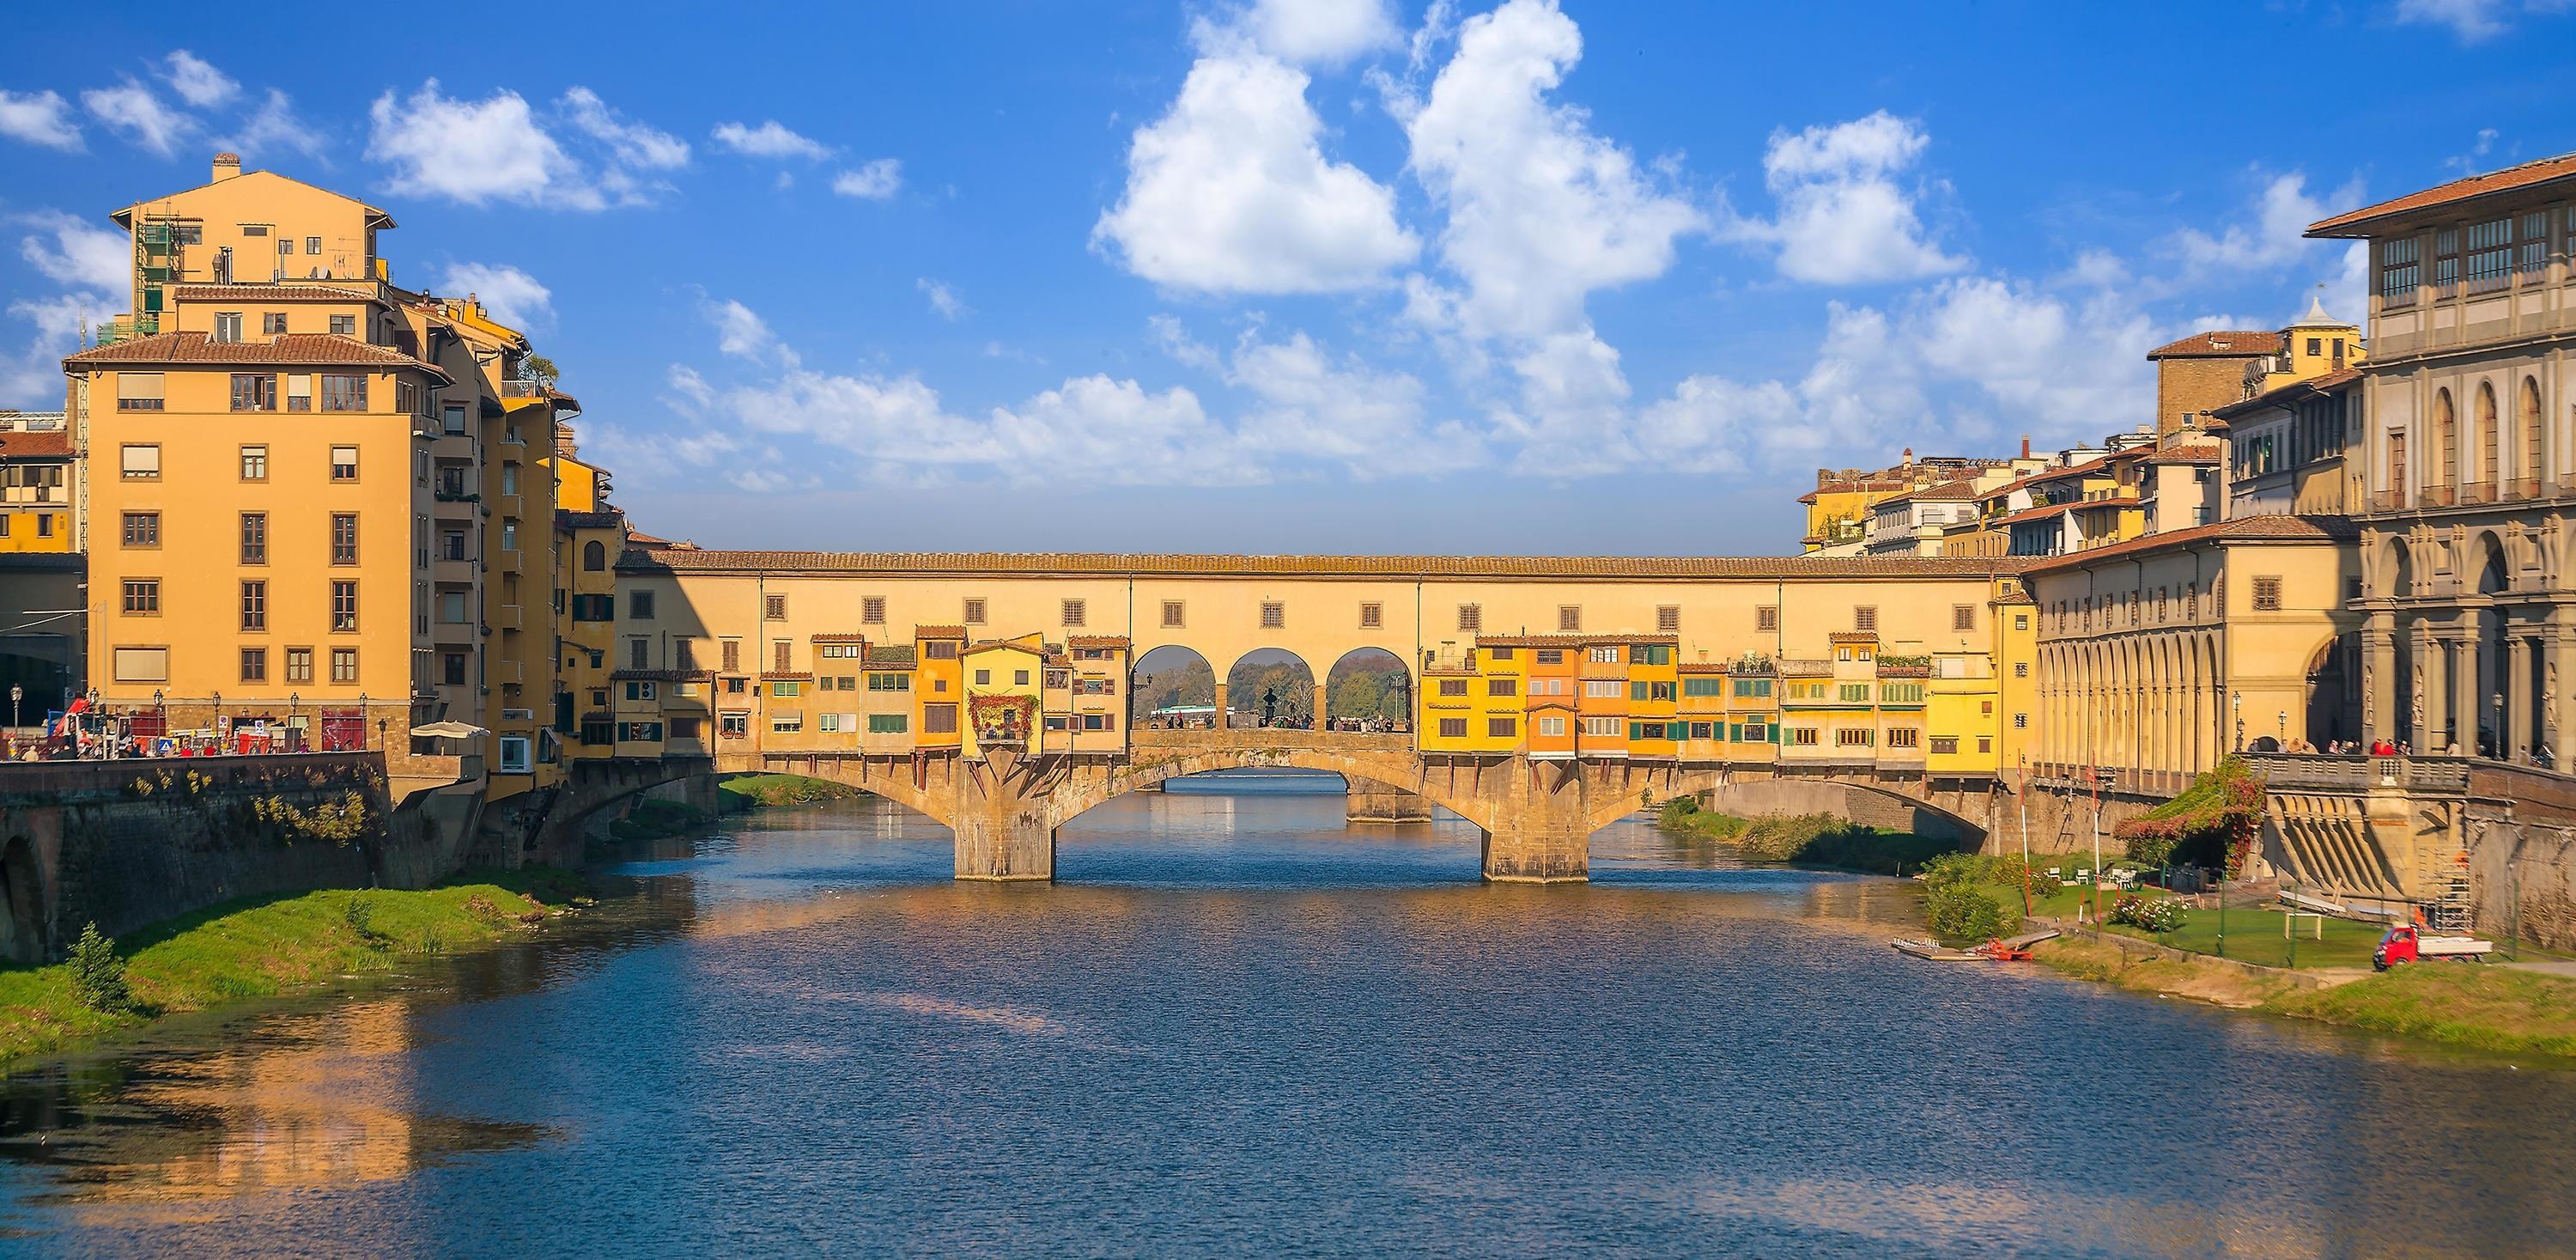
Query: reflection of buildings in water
point(331, 1105)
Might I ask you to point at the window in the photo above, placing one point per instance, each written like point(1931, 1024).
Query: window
point(1471, 618)
point(732, 653)
point(344, 325)
point(451, 608)
point(2021, 669)
point(1900, 693)
point(254, 537)
point(254, 463)
point(889, 723)
point(1753, 688)
point(1171, 614)
point(1453, 686)
point(1453, 728)
point(1549, 656)
point(639, 605)
point(1603, 688)
point(1498, 653)
point(2490, 255)
point(344, 538)
point(889, 682)
point(1766, 618)
point(1502, 686)
point(344, 393)
point(1552, 727)
point(786, 688)
point(780, 659)
point(1019, 678)
point(2267, 594)
point(273, 324)
point(1372, 616)
point(1274, 614)
point(1854, 737)
point(451, 668)
point(2021, 721)
point(1502, 728)
point(1604, 655)
point(1602, 726)
point(254, 605)
point(344, 607)
point(452, 420)
point(1073, 612)
point(1963, 616)
point(1855, 693)
point(141, 463)
point(939, 719)
point(651, 732)
point(1944, 745)
point(254, 391)
point(344, 463)
point(1569, 618)
point(774, 607)
point(872, 610)
point(838, 651)
point(299, 664)
point(939, 650)
point(142, 664)
point(138, 391)
point(514, 754)
point(1865, 617)
point(344, 665)
point(2021, 621)
point(1668, 619)
point(142, 529)
point(228, 326)
point(974, 612)
point(728, 725)
point(143, 596)
point(1904, 737)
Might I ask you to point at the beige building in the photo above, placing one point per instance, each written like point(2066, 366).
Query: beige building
point(2468, 460)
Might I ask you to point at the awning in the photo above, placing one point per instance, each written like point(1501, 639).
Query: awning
point(449, 730)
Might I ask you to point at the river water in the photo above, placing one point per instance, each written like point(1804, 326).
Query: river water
point(1239, 1025)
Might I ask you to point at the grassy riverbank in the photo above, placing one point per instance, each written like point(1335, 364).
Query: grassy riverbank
point(2484, 1007)
point(1806, 840)
point(755, 791)
point(252, 949)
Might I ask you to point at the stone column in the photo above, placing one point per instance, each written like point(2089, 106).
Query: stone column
point(1372, 801)
point(2429, 714)
point(2517, 734)
point(1219, 720)
point(1317, 720)
point(1540, 829)
point(2558, 680)
point(2379, 698)
point(2468, 692)
point(1002, 835)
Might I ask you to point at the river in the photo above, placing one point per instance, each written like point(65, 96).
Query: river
point(1238, 1025)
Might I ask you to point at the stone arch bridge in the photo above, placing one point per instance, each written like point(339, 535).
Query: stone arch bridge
point(1537, 816)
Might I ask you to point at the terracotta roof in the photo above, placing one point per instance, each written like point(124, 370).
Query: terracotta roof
point(1097, 641)
point(1948, 491)
point(789, 675)
point(270, 293)
point(2510, 178)
point(840, 638)
point(678, 560)
point(285, 350)
point(2184, 455)
point(1852, 636)
point(918, 632)
point(1699, 668)
point(1574, 640)
point(38, 444)
point(2219, 344)
point(2251, 529)
point(891, 656)
point(2295, 391)
point(658, 675)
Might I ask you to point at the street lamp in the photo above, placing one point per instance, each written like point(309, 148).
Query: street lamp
point(362, 721)
point(2282, 728)
point(294, 728)
point(2498, 701)
point(2239, 709)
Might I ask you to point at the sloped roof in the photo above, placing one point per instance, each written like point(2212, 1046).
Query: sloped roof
point(35, 444)
point(675, 560)
point(2295, 391)
point(274, 292)
point(125, 217)
point(2526, 175)
point(284, 350)
point(2251, 529)
point(2219, 344)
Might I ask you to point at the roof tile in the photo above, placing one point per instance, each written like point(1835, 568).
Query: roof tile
point(2525, 175)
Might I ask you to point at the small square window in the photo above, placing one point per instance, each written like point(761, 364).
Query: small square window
point(1471, 618)
point(1569, 618)
point(1073, 612)
point(1668, 619)
point(974, 612)
point(872, 610)
point(1372, 616)
point(1865, 617)
point(344, 325)
point(774, 607)
point(1766, 618)
point(1274, 614)
point(1171, 614)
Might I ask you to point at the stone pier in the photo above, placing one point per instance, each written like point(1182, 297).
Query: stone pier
point(1374, 802)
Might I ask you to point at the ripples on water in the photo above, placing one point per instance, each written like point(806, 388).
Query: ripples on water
point(1239, 1025)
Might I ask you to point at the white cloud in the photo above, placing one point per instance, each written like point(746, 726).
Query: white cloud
point(876, 181)
point(634, 145)
point(197, 81)
point(2473, 21)
point(943, 298)
point(1230, 192)
point(78, 254)
point(475, 152)
point(39, 118)
point(274, 128)
point(740, 331)
point(693, 394)
point(514, 297)
point(33, 378)
point(2274, 240)
point(133, 111)
point(1540, 210)
point(1842, 218)
point(769, 140)
point(2469, 162)
point(1319, 32)
point(1174, 340)
point(1308, 405)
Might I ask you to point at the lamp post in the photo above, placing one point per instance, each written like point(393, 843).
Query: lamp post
point(106, 734)
point(2281, 729)
point(294, 729)
point(2497, 701)
point(2238, 707)
point(16, 694)
point(362, 721)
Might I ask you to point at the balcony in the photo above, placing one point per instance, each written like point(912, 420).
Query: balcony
point(2478, 492)
point(507, 617)
point(447, 572)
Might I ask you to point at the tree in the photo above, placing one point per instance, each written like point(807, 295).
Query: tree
point(98, 975)
point(539, 368)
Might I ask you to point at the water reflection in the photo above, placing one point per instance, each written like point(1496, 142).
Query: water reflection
point(1241, 1026)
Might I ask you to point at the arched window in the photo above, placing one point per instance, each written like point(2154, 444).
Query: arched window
point(2489, 440)
point(2534, 473)
point(2446, 434)
point(594, 556)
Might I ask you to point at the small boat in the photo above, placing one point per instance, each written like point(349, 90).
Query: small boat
point(1935, 951)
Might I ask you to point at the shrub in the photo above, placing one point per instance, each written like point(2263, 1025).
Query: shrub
point(2153, 914)
point(359, 915)
point(1962, 870)
point(2215, 821)
point(98, 975)
point(1960, 914)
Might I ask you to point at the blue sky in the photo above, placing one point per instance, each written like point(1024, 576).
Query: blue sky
point(1343, 275)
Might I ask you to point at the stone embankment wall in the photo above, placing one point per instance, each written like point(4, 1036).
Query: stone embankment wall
point(128, 843)
point(2521, 849)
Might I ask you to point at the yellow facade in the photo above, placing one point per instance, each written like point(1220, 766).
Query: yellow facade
point(1003, 700)
point(40, 485)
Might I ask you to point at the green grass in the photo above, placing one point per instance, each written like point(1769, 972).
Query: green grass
point(752, 791)
point(258, 948)
point(1807, 840)
point(2484, 1007)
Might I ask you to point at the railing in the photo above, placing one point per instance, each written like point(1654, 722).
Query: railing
point(523, 389)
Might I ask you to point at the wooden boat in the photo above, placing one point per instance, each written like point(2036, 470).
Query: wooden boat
point(1934, 951)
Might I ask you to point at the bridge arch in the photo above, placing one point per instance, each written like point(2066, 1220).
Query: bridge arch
point(1169, 675)
point(1273, 686)
point(1369, 682)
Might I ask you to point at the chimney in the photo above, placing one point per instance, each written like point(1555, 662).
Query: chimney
point(2025, 446)
point(227, 165)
